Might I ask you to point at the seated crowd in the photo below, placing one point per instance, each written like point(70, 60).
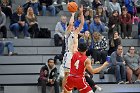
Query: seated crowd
point(113, 20)
point(104, 16)
point(104, 19)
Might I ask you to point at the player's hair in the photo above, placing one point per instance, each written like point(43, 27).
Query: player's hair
point(82, 47)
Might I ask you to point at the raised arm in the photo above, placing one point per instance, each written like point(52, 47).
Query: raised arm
point(71, 23)
point(96, 70)
point(82, 20)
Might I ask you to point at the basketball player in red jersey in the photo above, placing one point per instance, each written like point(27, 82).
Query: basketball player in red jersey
point(79, 63)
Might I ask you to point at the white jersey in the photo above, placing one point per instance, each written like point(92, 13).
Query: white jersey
point(69, 42)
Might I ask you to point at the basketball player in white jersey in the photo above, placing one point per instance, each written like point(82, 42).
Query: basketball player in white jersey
point(71, 43)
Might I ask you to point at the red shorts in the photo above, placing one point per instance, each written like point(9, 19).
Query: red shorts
point(77, 82)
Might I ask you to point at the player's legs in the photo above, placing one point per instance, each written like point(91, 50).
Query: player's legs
point(67, 63)
point(83, 86)
point(68, 85)
point(92, 84)
point(77, 82)
point(64, 79)
point(88, 89)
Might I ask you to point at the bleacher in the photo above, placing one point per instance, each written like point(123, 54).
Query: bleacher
point(19, 74)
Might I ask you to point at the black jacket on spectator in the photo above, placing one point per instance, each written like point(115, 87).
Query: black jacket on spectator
point(113, 20)
point(6, 9)
point(16, 18)
point(44, 78)
point(47, 2)
point(51, 74)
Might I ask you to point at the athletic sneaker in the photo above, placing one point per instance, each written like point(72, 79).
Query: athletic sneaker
point(15, 37)
point(27, 37)
point(137, 82)
point(121, 82)
point(129, 82)
point(98, 88)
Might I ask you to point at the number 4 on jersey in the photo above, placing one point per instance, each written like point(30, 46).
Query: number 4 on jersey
point(76, 64)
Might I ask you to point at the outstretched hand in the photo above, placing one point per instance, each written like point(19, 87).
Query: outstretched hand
point(105, 64)
point(81, 8)
point(73, 13)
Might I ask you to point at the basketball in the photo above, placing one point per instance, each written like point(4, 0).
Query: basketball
point(72, 7)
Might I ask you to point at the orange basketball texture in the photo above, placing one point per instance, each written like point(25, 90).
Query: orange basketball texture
point(72, 7)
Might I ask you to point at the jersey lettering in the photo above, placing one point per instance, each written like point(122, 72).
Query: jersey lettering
point(76, 64)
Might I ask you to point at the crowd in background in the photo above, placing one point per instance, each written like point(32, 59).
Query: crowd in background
point(104, 19)
point(107, 19)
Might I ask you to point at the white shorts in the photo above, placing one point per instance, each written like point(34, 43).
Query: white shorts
point(67, 60)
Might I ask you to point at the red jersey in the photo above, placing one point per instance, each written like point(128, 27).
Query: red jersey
point(78, 64)
point(76, 78)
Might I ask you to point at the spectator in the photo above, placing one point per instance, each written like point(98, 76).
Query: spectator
point(32, 3)
point(100, 46)
point(35, 6)
point(60, 31)
point(106, 6)
point(101, 12)
point(88, 15)
point(118, 63)
point(77, 23)
point(134, 16)
point(114, 24)
point(6, 6)
point(48, 76)
point(86, 38)
point(114, 5)
point(86, 3)
point(129, 5)
point(126, 23)
point(9, 46)
point(121, 2)
point(132, 63)
point(26, 5)
point(19, 23)
point(114, 42)
point(96, 3)
point(47, 5)
point(2, 24)
point(32, 22)
point(97, 25)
